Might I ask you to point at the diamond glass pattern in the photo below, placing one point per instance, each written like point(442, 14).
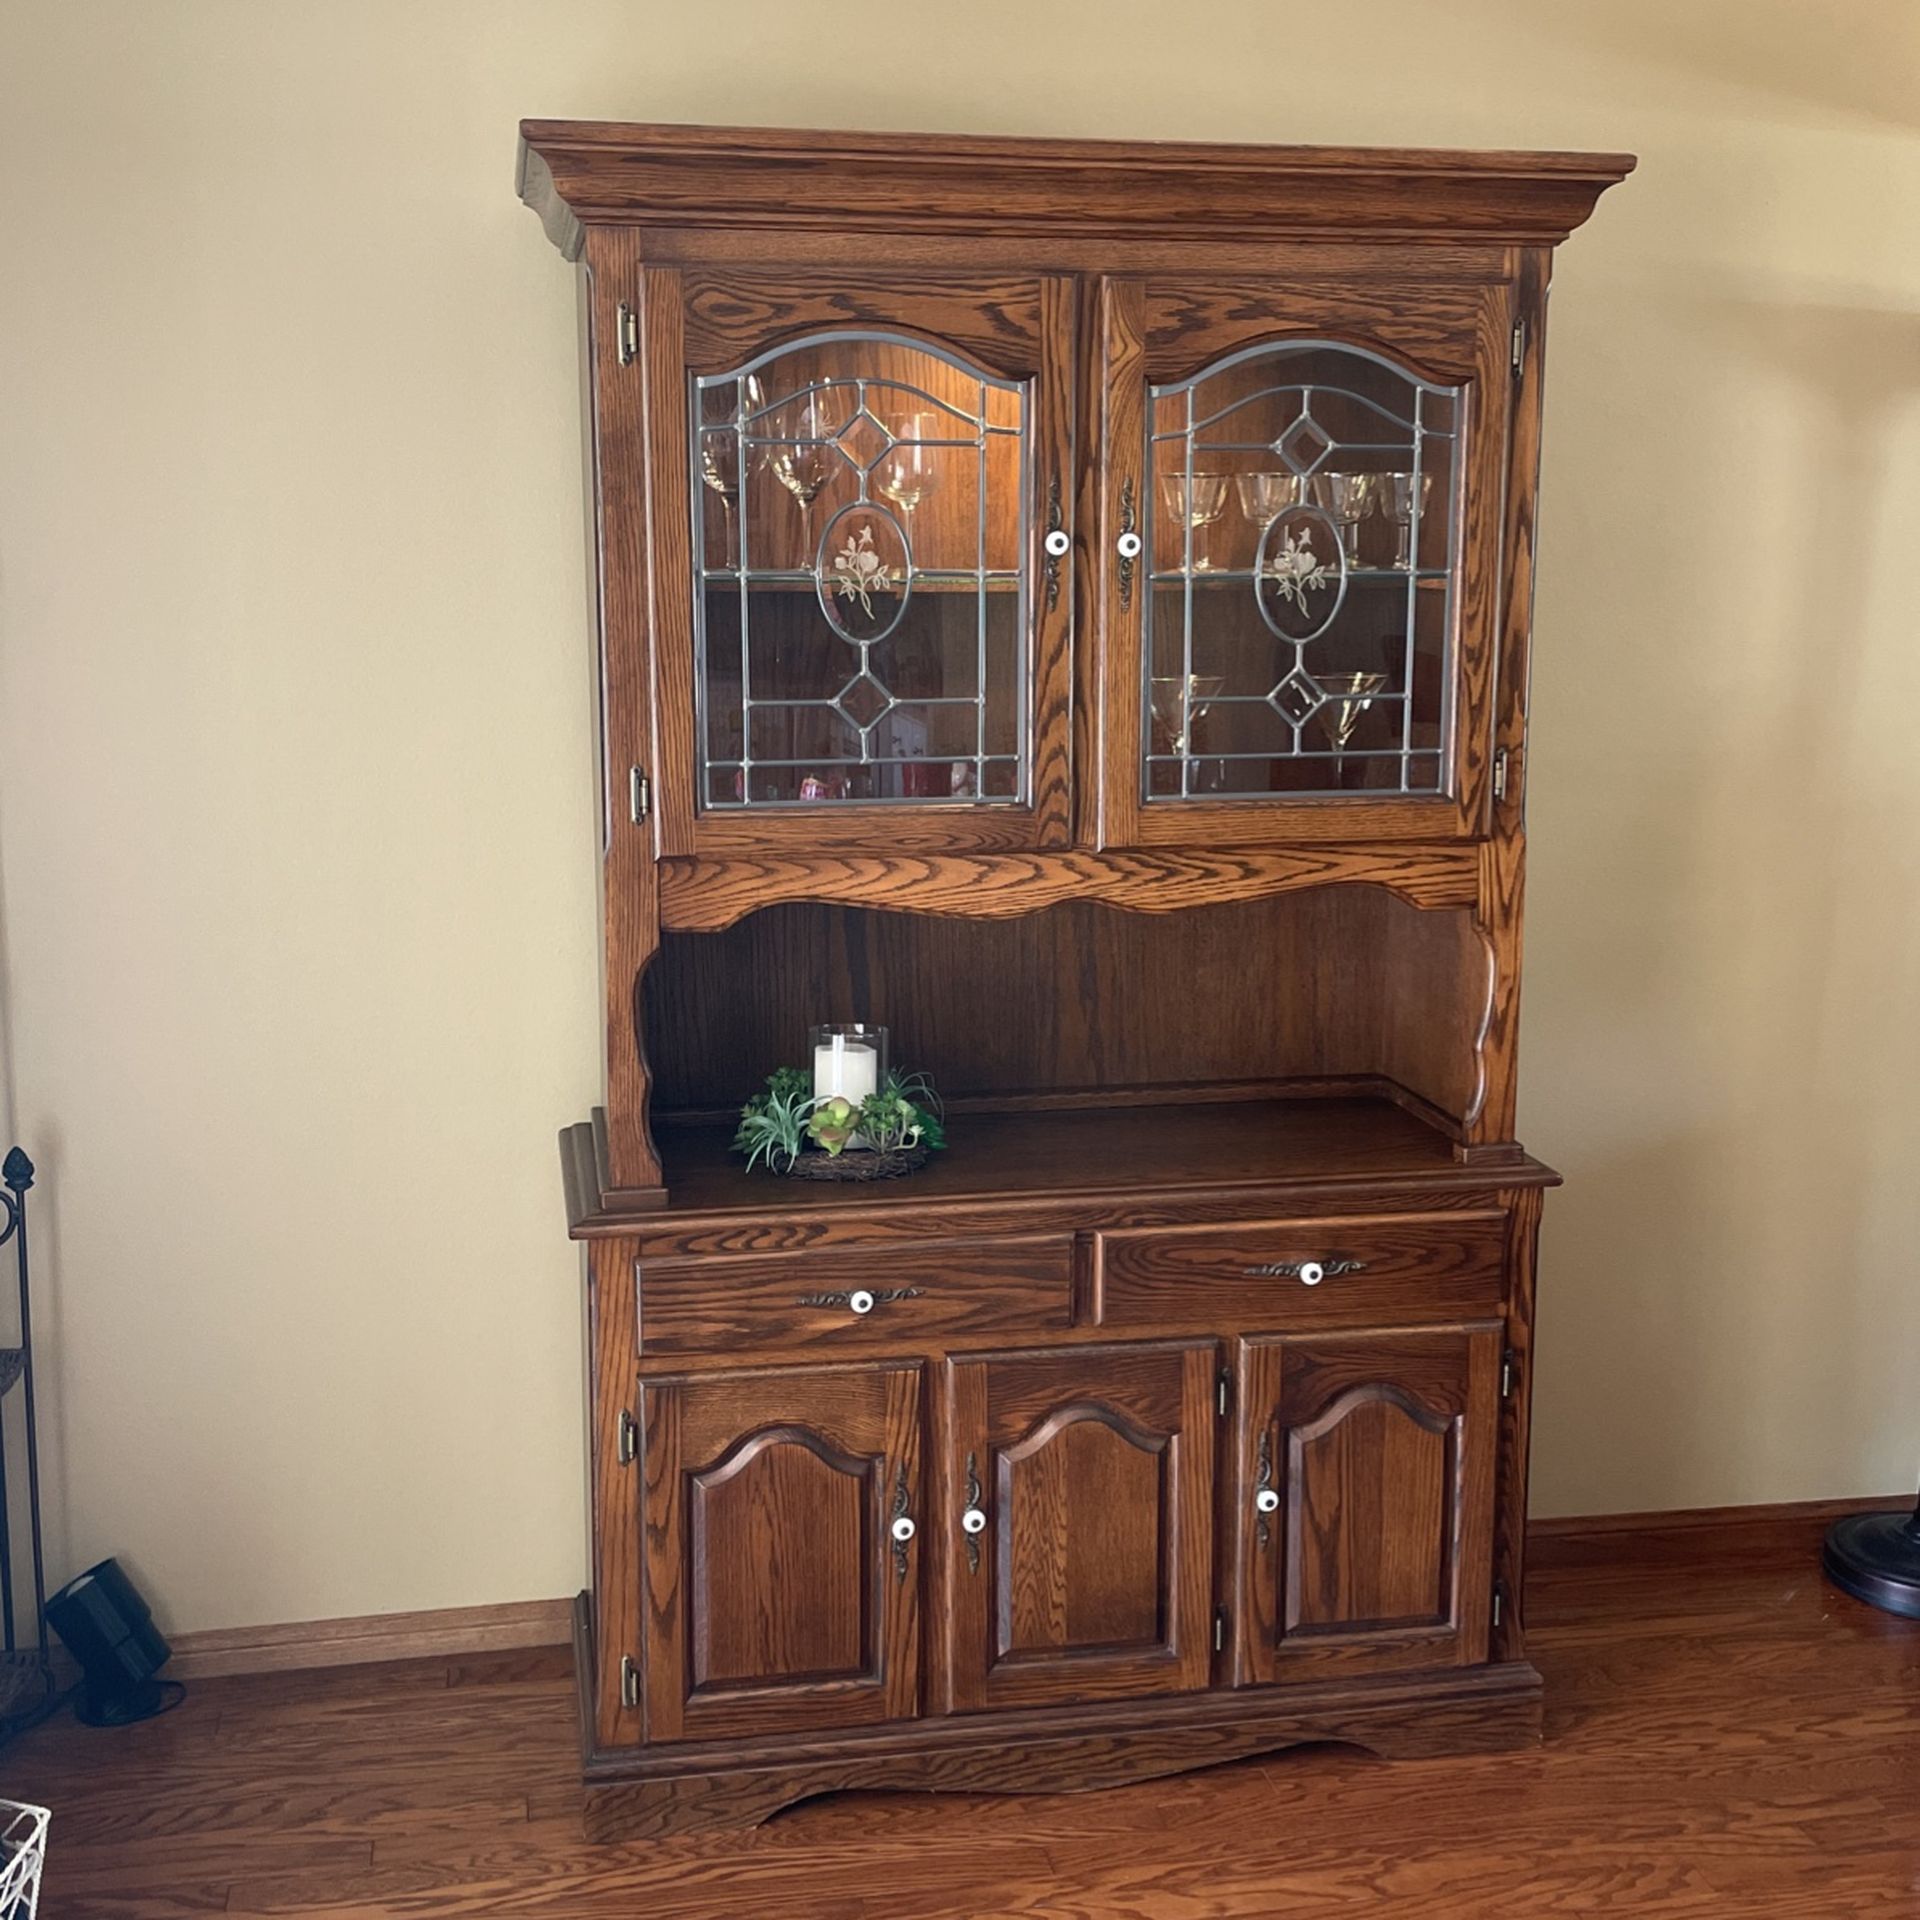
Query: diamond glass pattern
point(1304, 445)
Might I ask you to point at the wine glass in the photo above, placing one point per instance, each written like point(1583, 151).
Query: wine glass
point(803, 459)
point(1195, 500)
point(907, 475)
point(1349, 695)
point(1400, 504)
point(1348, 497)
point(720, 469)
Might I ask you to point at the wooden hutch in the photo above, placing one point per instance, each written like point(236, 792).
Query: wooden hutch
point(1068, 602)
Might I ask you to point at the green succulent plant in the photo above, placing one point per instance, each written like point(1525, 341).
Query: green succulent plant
point(833, 1123)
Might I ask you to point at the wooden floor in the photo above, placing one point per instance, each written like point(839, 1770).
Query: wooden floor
point(1726, 1736)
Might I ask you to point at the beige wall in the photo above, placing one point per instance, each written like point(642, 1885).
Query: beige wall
point(294, 785)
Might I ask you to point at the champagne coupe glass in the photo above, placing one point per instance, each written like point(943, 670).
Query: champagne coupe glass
point(1401, 503)
point(907, 475)
point(1195, 500)
point(720, 469)
point(804, 458)
point(1348, 497)
point(1264, 497)
point(1349, 695)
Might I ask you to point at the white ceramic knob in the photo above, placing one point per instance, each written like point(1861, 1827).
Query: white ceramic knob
point(903, 1528)
point(862, 1301)
point(1058, 542)
point(973, 1521)
point(1127, 546)
point(1266, 1501)
point(1311, 1273)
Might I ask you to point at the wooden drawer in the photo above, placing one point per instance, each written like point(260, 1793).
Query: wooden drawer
point(1379, 1270)
point(900, 1296)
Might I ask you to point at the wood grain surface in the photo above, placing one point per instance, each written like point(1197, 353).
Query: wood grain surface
point(1726, 1736)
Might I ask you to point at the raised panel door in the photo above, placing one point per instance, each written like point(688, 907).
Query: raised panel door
point(781, 1557)
point(1364, 1504)
point(1079, 1545)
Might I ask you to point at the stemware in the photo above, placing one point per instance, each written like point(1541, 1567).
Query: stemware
point(1180, 703)
point(720, 469)
point(1196, 501)
point(908, 474)
point(1348, 497)
point(1264, 497)
point(803, 458)
point(1402, 506)
point(1349, 695)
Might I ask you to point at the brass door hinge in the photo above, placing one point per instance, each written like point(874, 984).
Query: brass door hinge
point(1519, 346)
point(1499, 1601)
point(629, 1681)
point(1219, 1629)
point(627, 1443)
point(1222, 1390)
point(627, 340)
point(639, 794)
point(1509, 1365)
point(1500, 774)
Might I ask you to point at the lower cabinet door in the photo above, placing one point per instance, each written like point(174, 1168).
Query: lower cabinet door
point(781, 1557)
point(1365, 1497)
point(1079, 1547)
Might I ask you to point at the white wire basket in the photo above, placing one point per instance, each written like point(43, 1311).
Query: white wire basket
point(23, 1851)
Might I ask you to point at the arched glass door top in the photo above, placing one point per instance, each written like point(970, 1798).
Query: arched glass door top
point(1304, 504)
point(860, 587)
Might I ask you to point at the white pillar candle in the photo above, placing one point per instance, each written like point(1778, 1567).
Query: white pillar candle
point(846, 1069)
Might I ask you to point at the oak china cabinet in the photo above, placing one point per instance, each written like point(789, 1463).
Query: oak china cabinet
point(1070, 603)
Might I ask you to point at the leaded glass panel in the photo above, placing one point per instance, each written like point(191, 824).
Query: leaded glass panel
point(860, 593)
point(1301, 603)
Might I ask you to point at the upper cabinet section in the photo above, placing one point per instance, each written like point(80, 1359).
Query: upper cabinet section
point(988, 497)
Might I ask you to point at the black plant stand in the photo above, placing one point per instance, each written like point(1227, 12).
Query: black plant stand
point(1876, 1558)
point(26, 1672)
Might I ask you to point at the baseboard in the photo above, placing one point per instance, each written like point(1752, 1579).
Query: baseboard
point(1789, 1526)
point(439, 1634)
point(452, 1631)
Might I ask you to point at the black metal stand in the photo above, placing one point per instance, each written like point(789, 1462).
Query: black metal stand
point(26, 1673)
point(1876, 1558)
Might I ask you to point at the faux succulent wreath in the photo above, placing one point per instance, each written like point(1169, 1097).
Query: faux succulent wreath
point(779, 1125)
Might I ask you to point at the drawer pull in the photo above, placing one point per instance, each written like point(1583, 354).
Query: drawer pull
point(903, 1528)
point(1308, 1272)
point(1266, 1501)
point(861, 1299)
point(973, 1521)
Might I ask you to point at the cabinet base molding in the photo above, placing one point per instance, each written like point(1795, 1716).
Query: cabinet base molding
point(690, 1786)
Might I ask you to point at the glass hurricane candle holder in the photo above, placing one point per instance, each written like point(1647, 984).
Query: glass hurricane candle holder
point(849, 1062)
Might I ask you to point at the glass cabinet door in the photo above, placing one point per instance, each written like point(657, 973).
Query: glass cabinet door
point(878, 632)
point(1308, 637)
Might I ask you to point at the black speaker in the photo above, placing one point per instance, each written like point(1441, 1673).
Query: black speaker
point(107, 1627)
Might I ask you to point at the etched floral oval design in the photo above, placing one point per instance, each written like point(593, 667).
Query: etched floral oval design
point(863, 573)
point(1300, 574)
